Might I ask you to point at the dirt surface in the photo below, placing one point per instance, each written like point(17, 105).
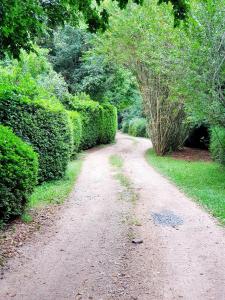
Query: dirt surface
point(192, 154)
point(89, 254)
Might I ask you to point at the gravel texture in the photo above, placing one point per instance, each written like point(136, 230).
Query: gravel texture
point(167, 218)
point(88, 253)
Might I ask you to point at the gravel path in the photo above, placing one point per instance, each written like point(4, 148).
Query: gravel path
point(89, 254)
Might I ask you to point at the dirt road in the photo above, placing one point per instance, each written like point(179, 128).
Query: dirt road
point(89, 253)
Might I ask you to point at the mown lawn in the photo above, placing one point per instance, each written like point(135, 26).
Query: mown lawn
point(55, 192)
point(203, 181)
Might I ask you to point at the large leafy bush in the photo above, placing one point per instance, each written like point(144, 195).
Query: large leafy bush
point(138, 127)
point(18, 169)
point(46, 128)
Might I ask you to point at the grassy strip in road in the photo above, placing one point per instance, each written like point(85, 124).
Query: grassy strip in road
point(55, 192)
point(203, 181)
point(116, 161)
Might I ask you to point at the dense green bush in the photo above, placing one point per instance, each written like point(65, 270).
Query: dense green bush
point(18, 169)
point(77, 131)
point(109, 123)
point(91, 115)
point(99, 122)
point(217, 144)
point(135, 127)
point(125, 126)
point(46, 128)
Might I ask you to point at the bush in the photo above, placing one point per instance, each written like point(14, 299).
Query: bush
point(18, 169)
point(125, 126)
point(109, 123)
point(217, 144)
point(137, 127)
point(77, 131)
point(46, 128)
point(91, 116)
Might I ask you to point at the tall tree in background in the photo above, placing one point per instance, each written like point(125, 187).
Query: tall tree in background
point(89, 72)
point(144, 40)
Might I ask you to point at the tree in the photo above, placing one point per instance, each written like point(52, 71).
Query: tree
point(22, 22)
point(87, 72)
point(145, 41)
point(204, 79)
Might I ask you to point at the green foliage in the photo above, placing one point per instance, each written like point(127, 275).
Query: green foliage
point(203, 82)
point(125, 126)
point(45, 128)
point(109, 124)
point(138, 127)
point(22, 22)
point(77, 131)
point(144, 40)
point(99, 122)
point(18, 169)
point(217, 144)
point(87, 72)
point(203, 181)
point(32, 77)
point(90, 113)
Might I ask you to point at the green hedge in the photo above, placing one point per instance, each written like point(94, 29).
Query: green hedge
point(109, 123)
point(77, 131)
point(91, 114)
point(138, 127)
point(19, 170)
point(47, 129)
point(217, 144)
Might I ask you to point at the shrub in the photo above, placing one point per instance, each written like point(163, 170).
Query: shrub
point(137, 127)
point(18, 169)
point(125, 126)
point(109, 123)
point(217, 144)
point(46, 128)
point(77, 131)
point(91, 116)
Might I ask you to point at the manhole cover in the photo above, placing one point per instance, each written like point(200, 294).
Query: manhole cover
point(167, 218)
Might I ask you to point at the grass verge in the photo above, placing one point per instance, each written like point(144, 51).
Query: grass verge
point(55, 192)
point(203, 181)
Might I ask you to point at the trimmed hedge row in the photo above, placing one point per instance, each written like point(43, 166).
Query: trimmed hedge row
point(109, 123)
point(55, 135)
point(99, 122)
point(45, 128)
point(19, 170)
point(90, 112)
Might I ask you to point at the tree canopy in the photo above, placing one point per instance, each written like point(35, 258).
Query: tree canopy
point(22, 22)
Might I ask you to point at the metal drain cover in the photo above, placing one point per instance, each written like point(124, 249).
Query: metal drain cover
point(167, 218)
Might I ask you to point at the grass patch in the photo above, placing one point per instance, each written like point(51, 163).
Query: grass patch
point(129, 192)
point(116, 161)
point(203, 181)
point(55, 192)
